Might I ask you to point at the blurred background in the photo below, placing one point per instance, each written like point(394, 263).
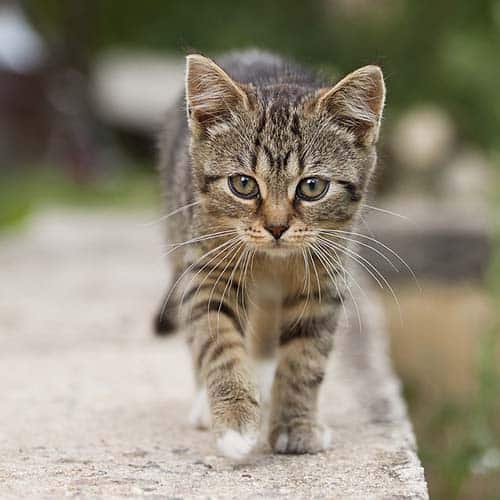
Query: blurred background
point(83, 88)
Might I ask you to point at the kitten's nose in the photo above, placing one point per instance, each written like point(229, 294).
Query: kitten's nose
point(277, 229)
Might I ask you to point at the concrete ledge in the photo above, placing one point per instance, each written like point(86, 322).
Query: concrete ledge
point(93, 404)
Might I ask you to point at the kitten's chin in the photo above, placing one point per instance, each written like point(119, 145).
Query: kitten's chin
point(278, 249)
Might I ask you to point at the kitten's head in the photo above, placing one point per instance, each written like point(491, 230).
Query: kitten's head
point(280, 163)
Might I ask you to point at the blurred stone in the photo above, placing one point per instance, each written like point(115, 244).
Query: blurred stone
point(21, 48)
point(132, 90)
point(468, 176)
point(448, 241)
point(423, 137)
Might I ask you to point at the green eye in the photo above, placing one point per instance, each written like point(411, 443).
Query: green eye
point(243, 186)
point(312, 188)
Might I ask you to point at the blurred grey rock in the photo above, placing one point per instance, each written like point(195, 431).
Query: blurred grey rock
point(468, 177)
point(132, 90)
point(422, 138)
point(441, 241)
point(22, 50)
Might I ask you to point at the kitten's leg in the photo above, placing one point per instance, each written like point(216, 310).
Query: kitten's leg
point(222, 368)
point(304, 350)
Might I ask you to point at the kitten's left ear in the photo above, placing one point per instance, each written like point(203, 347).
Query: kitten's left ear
point(211, 94)
point(356, 102)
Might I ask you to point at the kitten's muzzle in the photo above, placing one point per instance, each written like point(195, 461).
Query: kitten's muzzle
point(277, 229)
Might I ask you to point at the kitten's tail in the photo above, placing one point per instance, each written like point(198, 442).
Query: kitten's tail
point(164, 322)
point(163, 325)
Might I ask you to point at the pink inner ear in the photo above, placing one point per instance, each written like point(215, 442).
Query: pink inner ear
point(356, 102)
point(211, 94)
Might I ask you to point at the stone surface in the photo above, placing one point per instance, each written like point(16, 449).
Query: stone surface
point(92, 404)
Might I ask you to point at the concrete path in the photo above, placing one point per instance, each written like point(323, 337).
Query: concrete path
point(92, 404)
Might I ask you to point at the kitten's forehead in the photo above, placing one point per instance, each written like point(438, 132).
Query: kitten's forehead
point(291, 142)
point(278, 136)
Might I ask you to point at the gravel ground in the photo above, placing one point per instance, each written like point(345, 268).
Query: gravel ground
point(92, 404)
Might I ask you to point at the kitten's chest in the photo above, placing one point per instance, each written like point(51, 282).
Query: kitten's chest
point(275, 279)
point(271, 282)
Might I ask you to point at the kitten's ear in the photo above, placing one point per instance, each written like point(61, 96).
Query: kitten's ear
point(211, 95)
point(356, 102)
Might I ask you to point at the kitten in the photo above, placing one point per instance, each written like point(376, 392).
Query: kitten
point(271, 166)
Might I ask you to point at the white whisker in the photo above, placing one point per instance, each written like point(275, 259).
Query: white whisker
point(378, 252)
point(387, 212)
point(199, 239)
point(187, 270)
point(330, 270)
point(170, 214)
point(369, 267)
point(322, 251)
point(374, 240)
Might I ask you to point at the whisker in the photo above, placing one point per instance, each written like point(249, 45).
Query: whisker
point(378, 252)
point(387, 212)
point(234, 254)
point(229, 283)
point(242, 283)
point(374, 240)
point(308, 282)
point(365, 224)
point(198, 239)
point(345, 271)
point(374, 272)
point(221, 253)
point(308, 250)
point(322, 251)
point(350, 253)
point(187, 270)
point(329, 268)
point(170, 214)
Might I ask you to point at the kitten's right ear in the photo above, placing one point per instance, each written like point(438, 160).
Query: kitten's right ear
point(356, 102)
point(211, 95)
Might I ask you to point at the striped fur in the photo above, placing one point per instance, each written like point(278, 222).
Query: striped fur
point(244, 296)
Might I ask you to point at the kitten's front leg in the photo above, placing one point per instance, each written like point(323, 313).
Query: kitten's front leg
point(222, 366)
point(304, 350)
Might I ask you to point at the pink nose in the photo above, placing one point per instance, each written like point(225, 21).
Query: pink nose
point(277, 230)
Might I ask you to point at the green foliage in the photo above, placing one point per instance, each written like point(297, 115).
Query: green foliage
point(21, 195)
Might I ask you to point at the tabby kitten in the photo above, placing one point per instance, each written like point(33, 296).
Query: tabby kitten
point(265, 178)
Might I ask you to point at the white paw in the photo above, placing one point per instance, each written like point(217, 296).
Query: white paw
point(235, 445)
point(199, 417)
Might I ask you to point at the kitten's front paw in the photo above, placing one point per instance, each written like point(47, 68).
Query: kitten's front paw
point(299, 438)
point(236, 445)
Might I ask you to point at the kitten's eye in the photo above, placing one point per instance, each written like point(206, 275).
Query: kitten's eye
point(312, 188)
point(243, 186)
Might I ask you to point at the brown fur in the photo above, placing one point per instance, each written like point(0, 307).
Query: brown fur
point(244, 295)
